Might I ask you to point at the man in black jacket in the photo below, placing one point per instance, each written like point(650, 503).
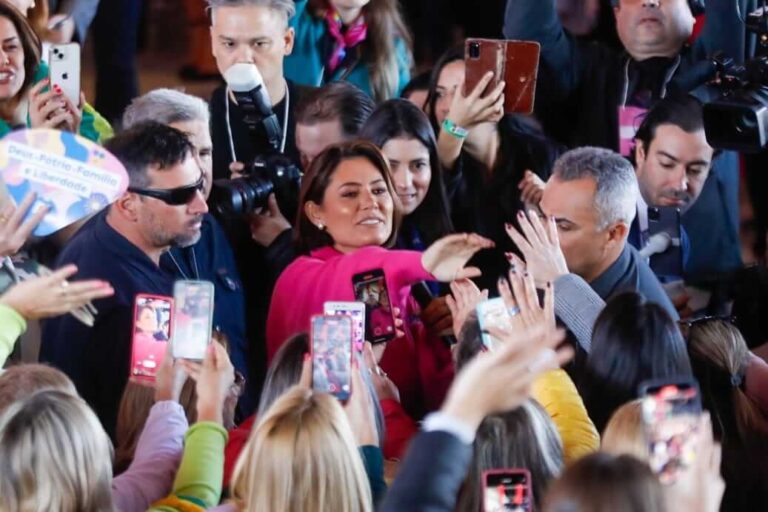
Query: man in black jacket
point(594, 95)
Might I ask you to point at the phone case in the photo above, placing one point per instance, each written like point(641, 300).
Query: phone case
point(356, 311)
point(151, 333)
point(670, 412)
point(490, 57)
point(517, 62)
point(331, 347)
point(507, 489)
point(379, 318)
point(64, 66)
point(666, 219)
point(192, 319)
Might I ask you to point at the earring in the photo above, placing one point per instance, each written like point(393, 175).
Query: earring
point(320, 226)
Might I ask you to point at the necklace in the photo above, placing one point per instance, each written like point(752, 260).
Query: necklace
point(196, 273)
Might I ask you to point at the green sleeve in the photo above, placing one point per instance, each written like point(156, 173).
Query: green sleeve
point(12, 325)
point(373, 460)
point(198, 483)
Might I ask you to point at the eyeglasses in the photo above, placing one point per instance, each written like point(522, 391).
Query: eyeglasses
point(172, 196)
point(685, 325)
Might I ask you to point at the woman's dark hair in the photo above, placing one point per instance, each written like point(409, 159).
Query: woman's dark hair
point(402, 119)
point(720, 357)
point(523, 438)
point(633, 340)
point(419, 82)
point(450, 55)
point(315, 182)
point(606, 483)
point(30, 42)
point(470, 342)
point(284, 372)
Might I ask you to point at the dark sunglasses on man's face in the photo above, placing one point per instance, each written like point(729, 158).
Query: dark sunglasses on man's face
point(172, 196)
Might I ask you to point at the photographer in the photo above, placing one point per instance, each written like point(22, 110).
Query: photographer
point(591, 94)
point(254, 32)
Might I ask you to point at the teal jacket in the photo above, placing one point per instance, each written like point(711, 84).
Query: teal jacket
point(305, 65)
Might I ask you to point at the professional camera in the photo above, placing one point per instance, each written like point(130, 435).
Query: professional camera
point(267, 174)
point(738, 119)
point(274, 173)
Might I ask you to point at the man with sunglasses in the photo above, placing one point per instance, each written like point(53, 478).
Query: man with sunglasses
point(162, 208)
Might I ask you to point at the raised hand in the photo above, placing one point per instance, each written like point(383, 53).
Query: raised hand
point(540, 246)
point(523, 299)
point(531, 188)
point(14, 232)
point(470, 108)
point(464, 298)
point(445, 258)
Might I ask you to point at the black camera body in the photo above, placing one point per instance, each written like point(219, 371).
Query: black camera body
point(738, 119)
point(272, 173)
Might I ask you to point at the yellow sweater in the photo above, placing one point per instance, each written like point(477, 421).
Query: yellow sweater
point(556, 392)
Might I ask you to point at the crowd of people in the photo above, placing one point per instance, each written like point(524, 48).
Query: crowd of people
point(325, 159)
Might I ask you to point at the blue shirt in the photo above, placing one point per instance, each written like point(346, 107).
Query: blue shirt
point(97, 358)
point(211, 259)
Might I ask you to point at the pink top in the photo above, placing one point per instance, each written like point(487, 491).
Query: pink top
point(420, 365)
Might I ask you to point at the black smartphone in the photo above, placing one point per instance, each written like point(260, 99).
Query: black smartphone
point(331, 349)
point(371, 289)
point(666, 219)
point(507, 490)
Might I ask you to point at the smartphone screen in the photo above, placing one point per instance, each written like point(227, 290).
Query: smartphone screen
point(151, 333)
point(192, 318)
point(492, 312)
point(671, 416)
point(371, 289)
point(507, 489)
point(332, 355)
point(356, 311)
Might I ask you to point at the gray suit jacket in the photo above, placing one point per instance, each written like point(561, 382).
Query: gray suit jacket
point(82, 11)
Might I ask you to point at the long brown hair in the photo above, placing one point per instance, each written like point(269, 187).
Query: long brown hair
point(385, 26)
point(315, 182)
point(30, 42)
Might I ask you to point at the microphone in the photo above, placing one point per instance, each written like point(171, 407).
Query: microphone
point(423, 295)
point(252, 97)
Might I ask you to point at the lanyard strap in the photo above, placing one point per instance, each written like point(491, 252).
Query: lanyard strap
point(667, 78)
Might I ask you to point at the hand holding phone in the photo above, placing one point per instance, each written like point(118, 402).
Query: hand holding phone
point(671, 416)
point(151, 332)
point(332, 351)
point(507, 490)
point(371, 289)
point(192, 319)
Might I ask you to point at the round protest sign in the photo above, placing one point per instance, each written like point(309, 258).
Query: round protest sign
point(73, 176)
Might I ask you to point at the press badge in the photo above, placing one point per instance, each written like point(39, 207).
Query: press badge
point(630, 119)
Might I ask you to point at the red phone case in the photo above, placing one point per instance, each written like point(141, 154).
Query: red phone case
point(523, 495)
point(148, 348)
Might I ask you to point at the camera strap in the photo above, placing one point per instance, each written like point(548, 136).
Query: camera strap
point(284, 135)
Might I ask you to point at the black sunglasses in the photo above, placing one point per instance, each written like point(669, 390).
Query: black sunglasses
point(172, 196)
point(686, 325)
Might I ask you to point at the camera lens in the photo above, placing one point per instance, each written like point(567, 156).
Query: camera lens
point(474, 50)
point(240, 196)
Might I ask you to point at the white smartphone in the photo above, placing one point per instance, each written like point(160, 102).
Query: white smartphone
point(491, 313)
point(355, 310)
point(64, 64)
point(192, 319)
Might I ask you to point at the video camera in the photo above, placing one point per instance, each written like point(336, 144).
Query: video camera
point(269, 173)
point(738, 119)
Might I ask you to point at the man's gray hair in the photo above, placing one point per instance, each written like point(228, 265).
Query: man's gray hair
point(285, 7)
point(166, 106)
point(616, 192)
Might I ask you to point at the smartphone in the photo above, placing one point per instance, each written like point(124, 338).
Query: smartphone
point(491, 312)
point(64, 65)
point(670, 413)
point(666, 219)
point(356, 311)
point(371, 289)
point(332, 355)
point(515, 62)
point(507, 489)
point(192, 319)
point(151, 334)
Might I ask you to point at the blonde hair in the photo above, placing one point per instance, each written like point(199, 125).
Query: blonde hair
point(302, 457)
point(55, 456)
point(625, 433)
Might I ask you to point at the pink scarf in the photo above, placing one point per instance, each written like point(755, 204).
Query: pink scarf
point(354, 35)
